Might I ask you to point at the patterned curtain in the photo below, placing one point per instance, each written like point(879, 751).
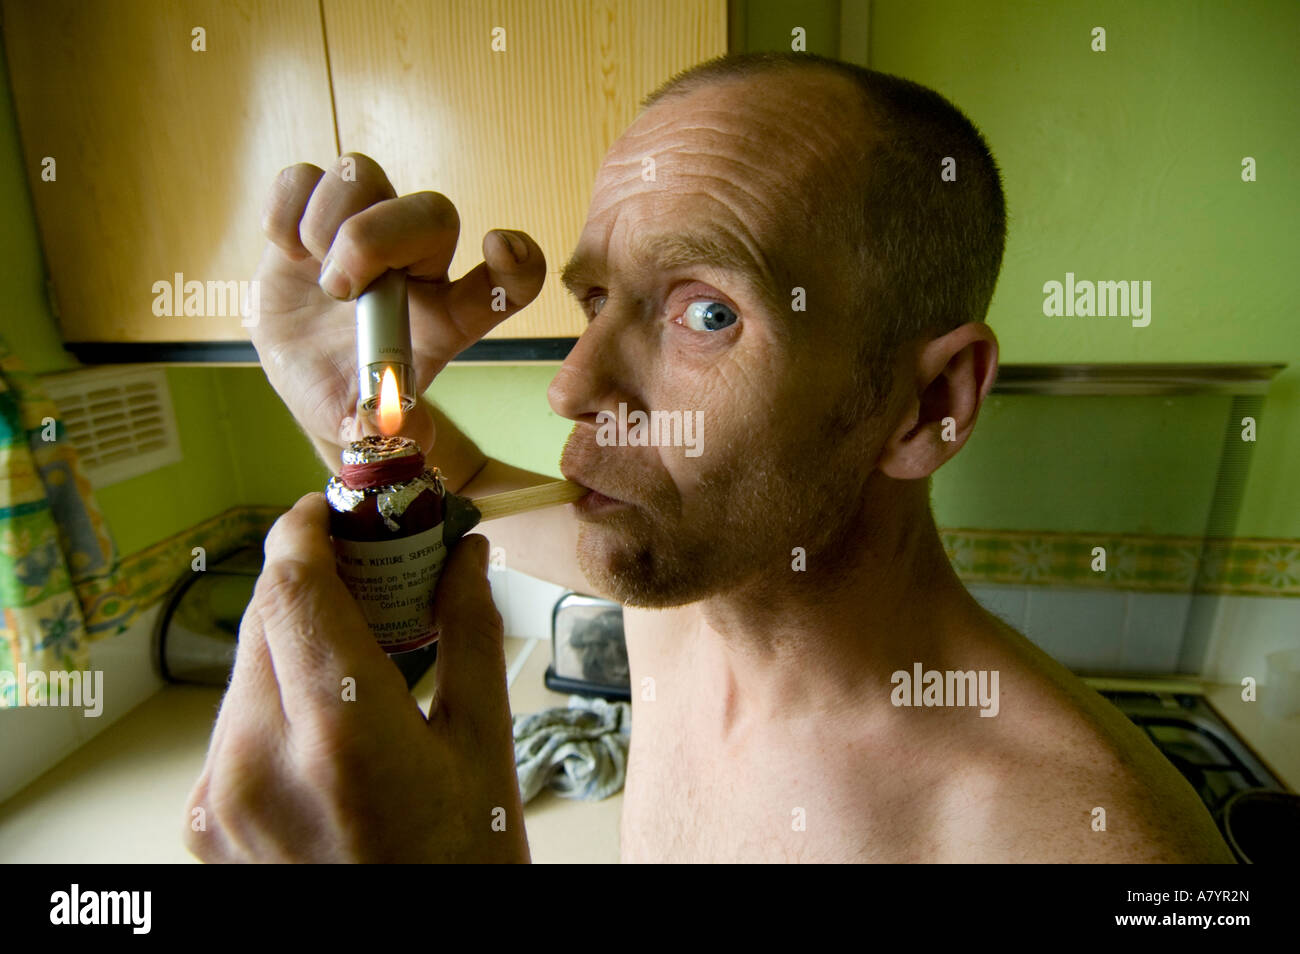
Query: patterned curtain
point(52, 538)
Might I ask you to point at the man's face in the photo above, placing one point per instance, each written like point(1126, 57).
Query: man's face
point(715, 327)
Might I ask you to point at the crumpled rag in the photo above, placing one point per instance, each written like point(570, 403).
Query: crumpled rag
point(578, 752)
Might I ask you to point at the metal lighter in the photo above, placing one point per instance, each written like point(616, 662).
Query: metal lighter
point(384, 341)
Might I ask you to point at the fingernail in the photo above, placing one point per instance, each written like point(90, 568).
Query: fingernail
point(518, 247)
point(334, 281)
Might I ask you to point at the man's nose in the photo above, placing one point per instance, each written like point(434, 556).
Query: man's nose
point(593, 377)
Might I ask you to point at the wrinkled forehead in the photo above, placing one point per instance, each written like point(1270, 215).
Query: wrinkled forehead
point(773, 149)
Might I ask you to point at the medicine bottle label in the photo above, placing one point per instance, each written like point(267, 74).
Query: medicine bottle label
point(393, 581)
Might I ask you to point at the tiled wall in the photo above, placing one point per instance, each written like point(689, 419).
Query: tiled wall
point(1089, 630)
point(1092, 629)
point(525, 602)
point(36, 738)
point(1242, 630)
point(1220, 637)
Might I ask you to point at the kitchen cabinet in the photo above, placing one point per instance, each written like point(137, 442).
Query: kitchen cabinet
point(507, 108)
point(164, 152)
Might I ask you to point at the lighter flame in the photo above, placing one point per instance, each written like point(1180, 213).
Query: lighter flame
point(390, 405)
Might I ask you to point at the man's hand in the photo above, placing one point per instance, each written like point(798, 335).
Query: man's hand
point(351, 218)
point(297, 772)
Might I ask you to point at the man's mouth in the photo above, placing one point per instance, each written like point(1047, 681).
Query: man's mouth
point(594, 503)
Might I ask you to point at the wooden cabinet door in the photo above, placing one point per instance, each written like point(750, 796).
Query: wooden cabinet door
point(513, 137)
point(162, 153)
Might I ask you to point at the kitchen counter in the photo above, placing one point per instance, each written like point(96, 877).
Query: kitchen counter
point(560, 830)
point(121, 796)
point(1275, 741)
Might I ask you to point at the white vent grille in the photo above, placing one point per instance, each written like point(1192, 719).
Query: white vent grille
point(120, 421)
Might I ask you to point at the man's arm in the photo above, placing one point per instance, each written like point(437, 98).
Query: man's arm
point(542, 543)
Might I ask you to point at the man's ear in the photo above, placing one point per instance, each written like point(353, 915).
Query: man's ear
point(949, 379)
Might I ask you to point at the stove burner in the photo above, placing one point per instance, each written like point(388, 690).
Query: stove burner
point(1188, 732)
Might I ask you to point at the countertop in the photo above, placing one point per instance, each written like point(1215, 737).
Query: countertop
point(121, 797)
point(1275, 741)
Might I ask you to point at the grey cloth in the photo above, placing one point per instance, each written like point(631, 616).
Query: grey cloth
point(578, 752)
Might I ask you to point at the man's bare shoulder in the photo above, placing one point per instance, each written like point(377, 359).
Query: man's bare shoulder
point(1091, 802)
point(1060, 775)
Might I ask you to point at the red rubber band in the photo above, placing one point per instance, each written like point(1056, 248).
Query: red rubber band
point(394, 470)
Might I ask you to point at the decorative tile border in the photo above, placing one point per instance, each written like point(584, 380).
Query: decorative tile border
point(1245, 566)
point(140, 580)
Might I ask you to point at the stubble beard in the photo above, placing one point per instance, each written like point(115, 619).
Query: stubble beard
point(740, 527)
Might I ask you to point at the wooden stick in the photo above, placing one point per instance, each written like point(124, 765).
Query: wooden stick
point(529, 498)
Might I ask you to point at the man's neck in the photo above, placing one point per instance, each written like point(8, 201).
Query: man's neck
point(822, 640)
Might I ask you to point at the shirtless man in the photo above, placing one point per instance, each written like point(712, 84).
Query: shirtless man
point(772, 733)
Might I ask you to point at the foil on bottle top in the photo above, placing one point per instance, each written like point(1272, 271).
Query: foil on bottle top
point(373, 449)
point(392, 500)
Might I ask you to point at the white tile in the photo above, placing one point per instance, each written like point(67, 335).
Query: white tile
point(532, 603)
point(1153, 632)
point(1005, 601)
point(1081, 628)
point(499, 580)
point(1248, 629)
point(130, 673)
point(34, 739)
point(1202, 622)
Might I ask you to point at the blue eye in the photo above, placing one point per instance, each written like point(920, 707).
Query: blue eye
point(705, 315)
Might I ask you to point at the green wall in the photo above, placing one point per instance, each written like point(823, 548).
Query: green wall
point(503, 408)
point(1117, 165)
point(143, 510)
point(1127, 165)
point(769, 24)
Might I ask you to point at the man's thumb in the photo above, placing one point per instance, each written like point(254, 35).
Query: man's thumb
point(471, 651)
